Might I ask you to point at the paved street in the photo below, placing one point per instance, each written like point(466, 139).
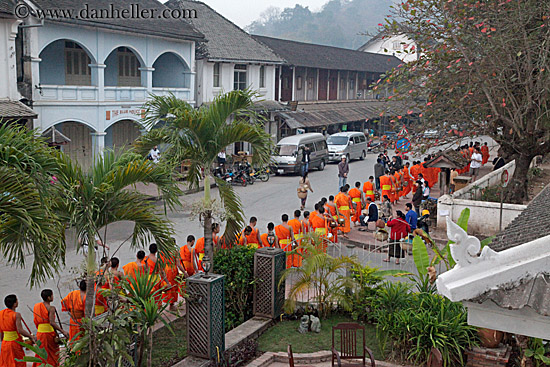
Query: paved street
point(267, 201)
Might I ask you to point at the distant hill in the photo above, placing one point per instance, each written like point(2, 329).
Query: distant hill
point(341, 23)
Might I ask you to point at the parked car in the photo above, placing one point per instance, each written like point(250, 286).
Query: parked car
point(352, 144)
point(288, 153)
point(431, 134)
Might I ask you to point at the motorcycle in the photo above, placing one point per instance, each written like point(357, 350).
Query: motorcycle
point(235, 178)
point(262, 174)
point(246, 170)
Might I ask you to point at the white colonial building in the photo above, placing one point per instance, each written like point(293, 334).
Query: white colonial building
point(91, 78)
point(398, 45)
point(10, 106)
point(231, 59)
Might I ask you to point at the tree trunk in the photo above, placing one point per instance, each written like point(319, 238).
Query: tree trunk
point(90, 279)
point(208, 244)
point(150, 351)
point(516, 191)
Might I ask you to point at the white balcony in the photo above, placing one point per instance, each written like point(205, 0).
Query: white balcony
point(75, 93)
point(125, 94)
point(67, 93)
point(180, 93)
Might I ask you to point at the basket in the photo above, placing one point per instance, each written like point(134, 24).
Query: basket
point(381, 235)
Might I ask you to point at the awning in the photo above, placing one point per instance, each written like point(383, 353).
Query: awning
point(55, 137)
point(10, 110)
point(338, 112)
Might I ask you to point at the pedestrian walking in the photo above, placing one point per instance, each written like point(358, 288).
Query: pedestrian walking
point(417, 197)
point(378, 172)
point(498, 162)
point(343, 170)
point(304, 186)
point(477, 158)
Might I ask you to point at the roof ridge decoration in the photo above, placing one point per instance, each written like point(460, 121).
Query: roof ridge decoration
point(466, 249)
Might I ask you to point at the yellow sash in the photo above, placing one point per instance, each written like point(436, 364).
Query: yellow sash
point(356, 200)
point(321, 231)
point(286, 241)
point(46, 328)
point(299, 236)
point(99, 309)
point(386, 187)
point(201, 255)
point(253, 245)
point(10, 336)
point(343, 208)
point(370, 192)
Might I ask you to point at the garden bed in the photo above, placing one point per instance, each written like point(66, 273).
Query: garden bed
point(277, 338)
point(170, 348)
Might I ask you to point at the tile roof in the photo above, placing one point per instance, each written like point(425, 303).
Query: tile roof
point(14, 110)
point(328, 57)
point(451, 156)
point(6, 7)
point(533, 223)
point(336, 112)
point(165, 27)
point(225, 40)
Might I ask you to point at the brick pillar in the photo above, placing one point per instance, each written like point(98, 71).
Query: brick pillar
point(488, 357)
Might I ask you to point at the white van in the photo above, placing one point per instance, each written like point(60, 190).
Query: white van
point(352, 144)
point(288, 153)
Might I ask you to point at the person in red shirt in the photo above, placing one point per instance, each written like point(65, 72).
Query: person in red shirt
point(399, 229)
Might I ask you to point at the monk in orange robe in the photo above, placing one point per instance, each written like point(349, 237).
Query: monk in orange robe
point(386, 185)
point(172, 267)
point(357, 201)
point(305, 223)
point(330, 211)
point(320, 227)
point(156, 270)
point(75, 304)
point(270, 235)
point(134, 267)
point(343, 202)
point(393, 191)
point(298, 232)
point(368, 188)
point(286, 237)
point(398, 185)
point(44, 320)
point(11, 332)
point(192, 254)
point(484, 153)
point(407, 180)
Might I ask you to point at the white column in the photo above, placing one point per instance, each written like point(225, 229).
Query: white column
point(98, 79)
point(293, 82)
point(147, 78)
point(278, 81)
point(98, 143)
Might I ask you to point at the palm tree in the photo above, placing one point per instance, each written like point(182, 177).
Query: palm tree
point(28, 223)
point(198, 135)
point(326, 276)
point(92, 200)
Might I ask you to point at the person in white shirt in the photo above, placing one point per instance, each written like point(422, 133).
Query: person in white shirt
point(477, 158)
point(154, 154)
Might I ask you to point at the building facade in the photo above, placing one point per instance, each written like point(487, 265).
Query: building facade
point(90, 80)
point(398, 45)
point(11, 107)
point(231, 59)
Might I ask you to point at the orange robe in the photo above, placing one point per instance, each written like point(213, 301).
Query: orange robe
point(75, 304)
point(331, 210)
point(320, 227)
point(484, 154)
point(189, 263)
point(285, 241)
point(296, 225)
point(264, 243)
point(10, 350)
point(171, 272)
point(368, 189)
point(398, 185)
point(393, 191)
point(407, 181)
point(343, 202)
point(355, 195)
point(425, 174)
point(252, 239)
point(46, 334)
point(131, 269)
point(385, 185)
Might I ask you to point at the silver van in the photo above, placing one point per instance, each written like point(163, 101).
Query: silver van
point(352, 144)
point(288, 153)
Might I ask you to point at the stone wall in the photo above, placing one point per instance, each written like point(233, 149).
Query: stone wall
point(484, 215)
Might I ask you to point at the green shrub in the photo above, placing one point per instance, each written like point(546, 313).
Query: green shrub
point(367, 282)
point(237, 264)
point(412, 323)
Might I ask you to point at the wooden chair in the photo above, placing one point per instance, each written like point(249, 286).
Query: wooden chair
point(290, 356)
point(435, 359)
point(350, 355)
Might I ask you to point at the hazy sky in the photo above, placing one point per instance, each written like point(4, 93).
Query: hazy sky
point(243, 12)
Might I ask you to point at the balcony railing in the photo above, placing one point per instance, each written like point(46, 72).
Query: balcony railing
point(77, 93)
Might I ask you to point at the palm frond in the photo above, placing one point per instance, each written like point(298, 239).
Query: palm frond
point(233, 209)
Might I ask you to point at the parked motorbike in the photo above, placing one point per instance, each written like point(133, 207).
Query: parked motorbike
point(235, 178)
point(262, 174)
point(246, 170)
